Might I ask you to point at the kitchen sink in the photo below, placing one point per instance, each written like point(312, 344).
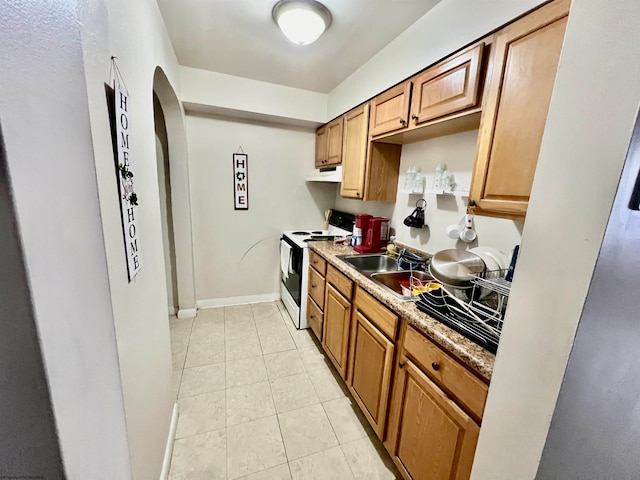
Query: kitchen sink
point(369, 264)
point(393, 281)
point(384, 271)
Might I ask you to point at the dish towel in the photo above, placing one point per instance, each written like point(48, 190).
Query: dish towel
point(285, 259)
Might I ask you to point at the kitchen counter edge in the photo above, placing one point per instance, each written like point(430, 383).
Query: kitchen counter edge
point(474, 356)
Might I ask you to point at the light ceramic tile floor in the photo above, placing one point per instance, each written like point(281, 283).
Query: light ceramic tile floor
point(258, 400)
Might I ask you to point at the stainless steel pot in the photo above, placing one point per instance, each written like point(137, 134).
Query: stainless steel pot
point(456, 267)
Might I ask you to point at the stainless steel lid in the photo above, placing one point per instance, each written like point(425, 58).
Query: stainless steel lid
point(455, 267)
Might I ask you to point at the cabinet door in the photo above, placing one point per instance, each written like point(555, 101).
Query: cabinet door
point(525, 61)
point(449, 87)
point(335, 337)
point(390, 110)
point(354, 152)
point(316, 286)
point(370, 370)
point(321, 147)
point(334, 142)
point(431, 438)
point(315, 318)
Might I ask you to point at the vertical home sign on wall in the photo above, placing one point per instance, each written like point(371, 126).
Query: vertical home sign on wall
point(241, 181)
point(128, 197)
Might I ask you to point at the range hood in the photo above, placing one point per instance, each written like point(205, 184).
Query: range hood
point(327, 175)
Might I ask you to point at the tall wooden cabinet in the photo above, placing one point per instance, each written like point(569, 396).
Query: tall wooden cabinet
point(337, 319)
point(369, 169)
point(371, 350)
point(354, 151)
point(525, 61)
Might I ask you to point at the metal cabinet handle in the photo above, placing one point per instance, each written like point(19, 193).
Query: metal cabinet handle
point(414, 117)
point(435, 366)
point(314, 286)
point(472, 203)
point(403, 121)
point(401, 364)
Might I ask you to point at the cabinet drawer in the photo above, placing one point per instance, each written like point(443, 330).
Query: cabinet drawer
point(339, 281)
point(379, 315)
point(316, 286)
point(315, 317)
point(469, 391)
point(317, 262)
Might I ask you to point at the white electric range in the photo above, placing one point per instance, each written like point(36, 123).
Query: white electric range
point(294, 262)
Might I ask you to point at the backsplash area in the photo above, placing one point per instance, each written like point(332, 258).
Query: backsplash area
point(458, 153)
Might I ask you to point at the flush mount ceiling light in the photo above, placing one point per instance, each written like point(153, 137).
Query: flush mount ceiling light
point(301, 21)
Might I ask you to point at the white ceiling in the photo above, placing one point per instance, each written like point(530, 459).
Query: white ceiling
point(239, 37)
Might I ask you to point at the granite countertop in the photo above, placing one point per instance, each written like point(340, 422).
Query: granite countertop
point(468, 352)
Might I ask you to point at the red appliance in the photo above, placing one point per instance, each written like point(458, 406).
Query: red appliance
point(360, 228)
point(377, 236)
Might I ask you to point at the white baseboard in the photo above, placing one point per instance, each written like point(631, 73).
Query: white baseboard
point(223, 302)
point(173, 310)
point(187, 313)
point(164, 474)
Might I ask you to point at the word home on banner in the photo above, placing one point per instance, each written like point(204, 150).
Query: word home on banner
point(241, 181)
point(128, 197)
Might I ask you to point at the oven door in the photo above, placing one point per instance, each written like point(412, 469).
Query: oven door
point(292, 279)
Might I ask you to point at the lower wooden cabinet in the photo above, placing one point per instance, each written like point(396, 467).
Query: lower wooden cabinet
point(315, 318)
point(429, 436)
point(335, 336)
point(370, 370)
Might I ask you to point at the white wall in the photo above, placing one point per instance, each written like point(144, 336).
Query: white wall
point(135, 33)
point(44, 113)
point(220, 93)
point(458, 152)
point(236, 252)
point(449, 26)
point(591, 117)
point(166, 213)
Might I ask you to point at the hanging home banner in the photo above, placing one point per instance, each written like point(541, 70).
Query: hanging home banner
point(128, 197)
point(241, 181)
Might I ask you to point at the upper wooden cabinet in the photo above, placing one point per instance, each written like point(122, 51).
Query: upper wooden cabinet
point(390, 110)
point(321, 147)
point(354, 152)
point(369, 169)
point(525, 61)
point(448, 87)
point(329, 144)
point(334, 142)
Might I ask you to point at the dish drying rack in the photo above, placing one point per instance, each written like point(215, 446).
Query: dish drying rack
point(479, 320)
